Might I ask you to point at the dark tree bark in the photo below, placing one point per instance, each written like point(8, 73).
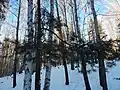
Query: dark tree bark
point(63, 46)
point(38, 49)
point(77, 30)
point(72, 63)
point(102, 74)
point(16, 47)
point(102, 71)
point(81, 52)
point(87, 84)
point(76, 21)
point(66, 69)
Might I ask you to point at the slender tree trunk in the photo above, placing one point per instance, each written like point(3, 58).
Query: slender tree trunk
point(29, 49)
point(73, 18)
point(63, 47)
point(72, 63)
point(102, 74)
point(65, 17)
point(76, 21)
point(16, 47)
point(87, 84)
point(66, 70)
point(47, 76)
point(77, 30)
point(1, 62)
point(38, 50)
point(72, 34)
point(48, 66)
point(72, 60)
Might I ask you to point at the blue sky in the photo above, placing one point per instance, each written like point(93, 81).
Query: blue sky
point(100, 7)
point(14, 8)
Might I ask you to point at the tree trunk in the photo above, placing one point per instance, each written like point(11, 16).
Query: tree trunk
point(28, 72)
point(47, 76)
point(72, 64)
point(76, 21)
point(65, 18)
point(100, 69)
point(29, 49)
point(62, 45)
point(87, 84)
point(66, 71)
point(102, 74)
point(16, 47)
point(81, 50)
point(38, 49)
point(4, 6)
point(48, 66)
point(72, 61)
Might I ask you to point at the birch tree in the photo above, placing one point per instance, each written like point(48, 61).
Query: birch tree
point(65, 19)
point(51, 28)
point(29, 49)
point(4, 5)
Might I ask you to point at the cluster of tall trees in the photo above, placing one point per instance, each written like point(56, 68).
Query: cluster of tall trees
point(54, 37)
point(4, 5)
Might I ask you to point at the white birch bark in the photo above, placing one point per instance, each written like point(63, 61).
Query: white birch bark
point(28, 55)
point(48, 66)
point(47, 76)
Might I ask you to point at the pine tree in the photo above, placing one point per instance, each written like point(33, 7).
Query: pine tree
point(102, 74)
point(81, 51)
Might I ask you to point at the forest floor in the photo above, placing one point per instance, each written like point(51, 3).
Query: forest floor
point(76, 79)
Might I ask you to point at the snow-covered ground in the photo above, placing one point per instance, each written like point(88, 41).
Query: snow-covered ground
point(76, 80)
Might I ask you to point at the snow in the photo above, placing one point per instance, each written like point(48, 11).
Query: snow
point(76, 79)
